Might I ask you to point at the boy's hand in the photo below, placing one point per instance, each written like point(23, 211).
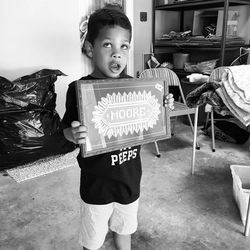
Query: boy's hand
point(79, 132)
point(169, 101)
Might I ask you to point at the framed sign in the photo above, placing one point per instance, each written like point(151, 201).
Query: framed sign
point(122, 113)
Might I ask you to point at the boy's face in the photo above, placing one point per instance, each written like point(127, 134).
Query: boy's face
point(110, 52)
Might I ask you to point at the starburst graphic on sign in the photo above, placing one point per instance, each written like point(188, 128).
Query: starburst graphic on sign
point(120, 114)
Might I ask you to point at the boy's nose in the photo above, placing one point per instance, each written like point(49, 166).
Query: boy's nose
point(116, 55)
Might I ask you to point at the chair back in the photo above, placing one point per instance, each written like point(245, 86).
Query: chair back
point(164, 73)
point(168, 75)
point(216, 74)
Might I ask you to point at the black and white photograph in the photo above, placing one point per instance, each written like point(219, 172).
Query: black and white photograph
point(125, 125)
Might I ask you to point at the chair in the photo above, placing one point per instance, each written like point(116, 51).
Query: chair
point(180, 109)
point(214, 76)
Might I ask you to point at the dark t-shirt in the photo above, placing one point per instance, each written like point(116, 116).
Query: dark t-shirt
point(108, 177)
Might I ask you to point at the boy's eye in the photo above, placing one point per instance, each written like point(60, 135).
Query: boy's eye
point(107, 45)
point(125, 46)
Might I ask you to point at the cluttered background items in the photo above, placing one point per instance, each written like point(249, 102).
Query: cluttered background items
point(183, 61)
point(243, 58)
point(179, 61)
point(204, 28)
point(162, 2)
point(30, 127)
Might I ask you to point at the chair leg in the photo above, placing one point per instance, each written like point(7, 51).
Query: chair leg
point(173, 126)
point(175, 120)
point(192, 127)
point(206, 122)
point(247, 223)
point(157, 150)
point(212, 128)
point(189, 117)
point(194, 139)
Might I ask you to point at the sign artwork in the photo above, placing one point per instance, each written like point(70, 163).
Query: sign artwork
point(121, 113)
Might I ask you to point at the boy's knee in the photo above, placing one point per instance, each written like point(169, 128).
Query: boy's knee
point(84, 248)
point(122, 242)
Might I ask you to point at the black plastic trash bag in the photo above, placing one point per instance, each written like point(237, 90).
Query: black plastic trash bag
point(30, 128)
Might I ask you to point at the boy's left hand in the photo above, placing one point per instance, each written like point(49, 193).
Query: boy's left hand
point(169, 101)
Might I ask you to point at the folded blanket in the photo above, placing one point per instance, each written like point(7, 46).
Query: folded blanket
point(231, 94)
point(235, 91)
point(234, 95)
point(239, 80)
point(238, 113)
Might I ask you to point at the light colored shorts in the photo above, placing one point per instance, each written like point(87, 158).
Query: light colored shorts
point(96, 220)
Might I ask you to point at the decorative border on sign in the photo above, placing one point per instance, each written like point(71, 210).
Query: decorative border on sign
point(120, 114)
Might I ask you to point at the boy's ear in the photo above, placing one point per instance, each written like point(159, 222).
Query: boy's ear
point(88, 49)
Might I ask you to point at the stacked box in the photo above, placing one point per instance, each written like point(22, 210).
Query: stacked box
point(241, 188)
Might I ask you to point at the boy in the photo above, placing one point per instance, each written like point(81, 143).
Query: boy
point(109, 190)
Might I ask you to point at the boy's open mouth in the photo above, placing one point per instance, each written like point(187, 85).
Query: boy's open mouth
point(114, 67)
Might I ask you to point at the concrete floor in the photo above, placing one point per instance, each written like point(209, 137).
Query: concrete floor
point(177, 210)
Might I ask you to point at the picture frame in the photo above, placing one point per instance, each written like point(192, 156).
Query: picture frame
point(121, 113)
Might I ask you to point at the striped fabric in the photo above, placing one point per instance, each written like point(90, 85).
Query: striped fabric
point(216, 74)
point(165, 73)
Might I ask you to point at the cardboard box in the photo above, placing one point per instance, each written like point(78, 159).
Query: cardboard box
point(241, 188)
point(232, 23)
point(163, 2)
point(203, 18)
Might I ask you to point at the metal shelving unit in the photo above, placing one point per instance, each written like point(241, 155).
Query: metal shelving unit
point(183, 6)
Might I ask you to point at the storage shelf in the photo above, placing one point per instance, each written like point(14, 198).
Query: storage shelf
point(200, 48)
point(194, 4)
point(226, 48)
point(197, 46)
point(217, 47)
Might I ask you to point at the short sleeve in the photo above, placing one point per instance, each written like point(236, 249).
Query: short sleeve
point(71, 113)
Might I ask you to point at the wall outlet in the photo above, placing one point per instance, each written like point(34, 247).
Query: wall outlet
point(143, 16)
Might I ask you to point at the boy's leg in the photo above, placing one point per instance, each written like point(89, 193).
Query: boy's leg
point(123, 223)
point(122, 242)
point(94, 225)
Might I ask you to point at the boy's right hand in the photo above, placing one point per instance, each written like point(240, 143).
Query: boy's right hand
point(79, 132)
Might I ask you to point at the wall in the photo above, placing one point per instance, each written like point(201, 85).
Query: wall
point(142, 32)
point(44, 34)
point(40, 34)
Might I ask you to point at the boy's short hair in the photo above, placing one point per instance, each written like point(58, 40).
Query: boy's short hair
point(107, 16)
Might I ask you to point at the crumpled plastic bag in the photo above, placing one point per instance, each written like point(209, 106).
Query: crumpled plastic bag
point(30, 127)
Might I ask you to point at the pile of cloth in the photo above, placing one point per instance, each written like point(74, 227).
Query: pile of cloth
point(235, 91)
point(230, 98)
point(231, 95)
